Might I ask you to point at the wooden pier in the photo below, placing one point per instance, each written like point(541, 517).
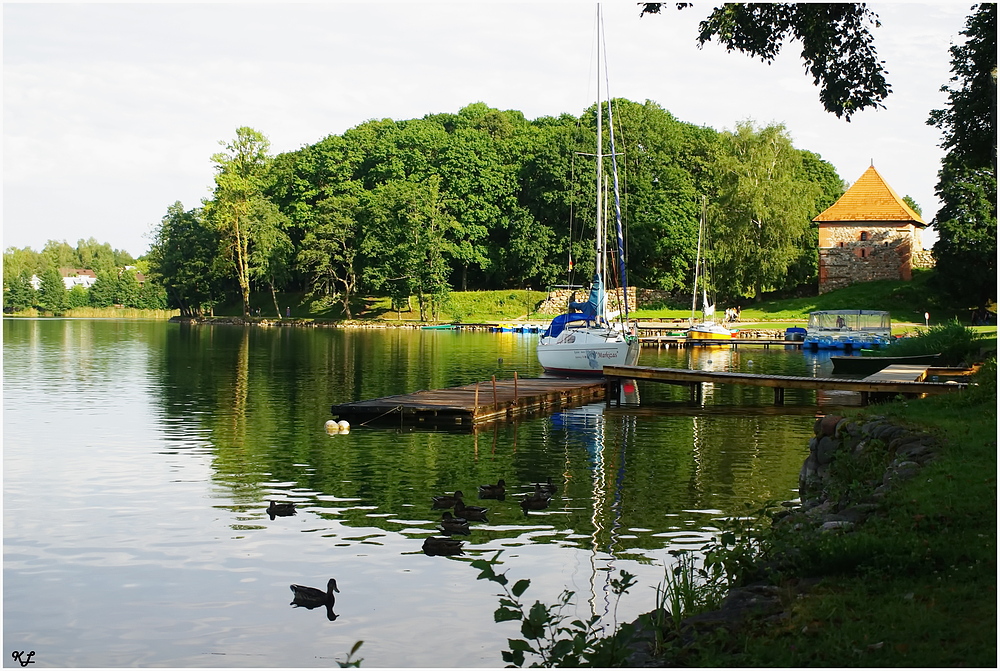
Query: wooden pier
point(899, 379)
point(682, 341)
point(475, 404)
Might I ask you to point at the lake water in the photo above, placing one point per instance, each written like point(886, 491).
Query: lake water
point(140, 456)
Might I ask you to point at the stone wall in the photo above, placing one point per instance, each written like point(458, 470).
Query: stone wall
point(559, 299)
point(856, 261)
point(923, 258)
point(886, 253)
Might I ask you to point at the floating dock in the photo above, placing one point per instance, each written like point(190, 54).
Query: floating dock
point(476, 403)
point(897, 379)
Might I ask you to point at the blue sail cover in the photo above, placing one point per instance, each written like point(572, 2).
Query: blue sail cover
point(589, 310)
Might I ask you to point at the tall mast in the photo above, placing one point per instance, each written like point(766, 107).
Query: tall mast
point(697, 264)
point(599, 267)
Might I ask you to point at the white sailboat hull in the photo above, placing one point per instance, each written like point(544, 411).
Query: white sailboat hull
point(586, 351)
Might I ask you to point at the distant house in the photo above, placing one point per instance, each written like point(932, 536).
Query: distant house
point(74, 276)
point(868, 234)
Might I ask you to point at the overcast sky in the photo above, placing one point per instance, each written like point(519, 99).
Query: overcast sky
point(112, 111)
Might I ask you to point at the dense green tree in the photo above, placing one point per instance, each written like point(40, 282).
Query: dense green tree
point(127, 289)
point(183, 259)
point(836, 38)
point(403, 242)
point(104, 292)
point(19, 261)
point(330, 249)
point(78, 296)
point(761, 214)
point(52, 291)
point(18, 293)
point(96, 256)
point(58, 254)
point(966, 250)
point(243, 216)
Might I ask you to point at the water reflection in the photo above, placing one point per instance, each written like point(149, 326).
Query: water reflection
point(221, 422)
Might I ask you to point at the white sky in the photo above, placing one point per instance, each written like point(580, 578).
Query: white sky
point(112, 111)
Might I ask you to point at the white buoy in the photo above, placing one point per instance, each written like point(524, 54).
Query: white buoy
point(344, 425)
point(331, 425)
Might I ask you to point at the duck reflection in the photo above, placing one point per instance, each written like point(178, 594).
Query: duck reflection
point(311, 597)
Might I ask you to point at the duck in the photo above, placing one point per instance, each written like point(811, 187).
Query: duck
point(446, 501)
point(477, 513)
point(547, 488)
point(310, 597)
point(283, 509)
point(436, 545)
point(493, 491)
point(534, 502)
point(454, 525)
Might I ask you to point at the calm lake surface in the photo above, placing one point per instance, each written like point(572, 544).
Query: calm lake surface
point(140, 456)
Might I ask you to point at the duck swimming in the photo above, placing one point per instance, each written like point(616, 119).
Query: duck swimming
point(534, 502)
point(284, 509)
point(476, 513)
point(496, 491)
point(310, 597)
point(454, 525)
point(435, 545)
point(448, 501)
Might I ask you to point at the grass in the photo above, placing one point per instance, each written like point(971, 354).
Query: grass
point(914, 587)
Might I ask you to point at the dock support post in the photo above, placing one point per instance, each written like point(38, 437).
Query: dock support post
point(475, 404)
point(515, 387)
point(494, 393)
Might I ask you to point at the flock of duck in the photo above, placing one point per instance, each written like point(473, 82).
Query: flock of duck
point(458, 523)
point(452, 524)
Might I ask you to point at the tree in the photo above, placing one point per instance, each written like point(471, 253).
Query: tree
point(403, 242)
point(183, 259)
point(104, 292)
point(243, 216)
point(762, 212)
point(967, 184)
point(18, 293)
point(837, 45)
point(330, 249)
point(52, 291)
point(78, 296)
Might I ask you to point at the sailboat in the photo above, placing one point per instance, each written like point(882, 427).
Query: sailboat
point(586, 338)
point(708, 329)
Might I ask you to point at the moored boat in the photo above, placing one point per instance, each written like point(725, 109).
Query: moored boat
point(588, 337)
point(868, 365)
point(708, 330)
point(848, 329)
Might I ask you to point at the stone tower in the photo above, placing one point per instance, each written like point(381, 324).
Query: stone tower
point(868, 234)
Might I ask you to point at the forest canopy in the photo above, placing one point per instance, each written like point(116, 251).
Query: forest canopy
point(487, 199)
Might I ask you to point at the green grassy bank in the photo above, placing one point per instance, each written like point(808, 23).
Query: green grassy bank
point(915, 585)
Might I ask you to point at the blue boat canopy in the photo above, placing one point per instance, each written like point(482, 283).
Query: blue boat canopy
point(592, 307)
point(589, 310)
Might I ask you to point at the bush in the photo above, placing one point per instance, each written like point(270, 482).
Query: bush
point(957, 344)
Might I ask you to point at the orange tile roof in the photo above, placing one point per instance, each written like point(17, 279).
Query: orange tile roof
point(870, 199)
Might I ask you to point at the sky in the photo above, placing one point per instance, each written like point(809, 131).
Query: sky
point(113, 111)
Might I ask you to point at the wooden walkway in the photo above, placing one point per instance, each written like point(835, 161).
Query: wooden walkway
point(682, 341)
point(476, 403)
point(898, 379)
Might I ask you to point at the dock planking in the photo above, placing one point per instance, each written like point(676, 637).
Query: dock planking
point(476, 403)
point(904, 379)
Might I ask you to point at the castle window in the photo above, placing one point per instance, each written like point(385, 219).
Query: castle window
point(864, 236)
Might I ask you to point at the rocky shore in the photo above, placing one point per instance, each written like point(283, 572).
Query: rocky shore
point(826, 506)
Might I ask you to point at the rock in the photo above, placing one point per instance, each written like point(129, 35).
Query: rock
point(826, 447)
point(827, 426)
point(836, 525)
